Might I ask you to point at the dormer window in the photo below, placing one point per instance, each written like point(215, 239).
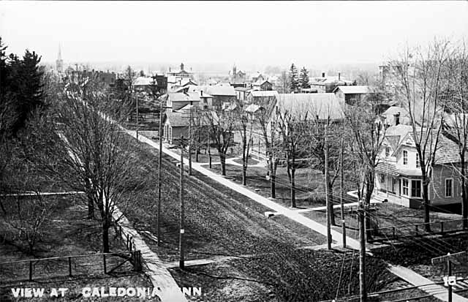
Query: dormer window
point(405, 157)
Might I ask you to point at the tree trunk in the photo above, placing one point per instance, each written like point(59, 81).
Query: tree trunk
point(244, 175)
point(272, 177)
point(90, 200)
point(425, 195)
point(293, 188)
point(105, 236)
point(90, 208)
point(273, 185)
point(222, 158)
point(330, 204)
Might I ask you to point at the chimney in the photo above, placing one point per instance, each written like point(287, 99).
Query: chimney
point(397, 118)
point(339, 76)
point(323, 74)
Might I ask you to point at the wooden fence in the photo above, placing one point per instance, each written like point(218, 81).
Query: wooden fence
point(70, 266)
point(417, 230)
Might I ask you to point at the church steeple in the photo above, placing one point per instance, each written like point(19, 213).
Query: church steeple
point(59, 62)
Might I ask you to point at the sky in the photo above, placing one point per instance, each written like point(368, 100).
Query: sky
point(270, 33)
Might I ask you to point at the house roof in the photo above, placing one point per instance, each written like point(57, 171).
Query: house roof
point(176, 119)
point(447, 151)
point(269, 93)
point(387, 168)
point(183, 97)
point(143, 81)
point(252, 108)
point(393, 141)
point(325, 105)
point(328, 80)
point(353, 89)
point(241, 89)
point(220, 90)
point(187, 81)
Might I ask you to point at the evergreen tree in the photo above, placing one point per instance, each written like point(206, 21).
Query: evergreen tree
point(21, 90)
point(293, 79)
point(304, 78)
point(25, 86)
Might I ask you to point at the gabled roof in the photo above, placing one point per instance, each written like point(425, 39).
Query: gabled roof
point(393, 141)
point(353, 89)
point(176, 119)
point(325, 105)
point(188, 81)
point(270, 93)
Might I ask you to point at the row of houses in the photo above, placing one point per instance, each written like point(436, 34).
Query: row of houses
point(398, 176)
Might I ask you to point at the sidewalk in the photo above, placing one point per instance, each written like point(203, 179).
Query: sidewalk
point(406, 274)
point(279, 209)
point(168, 290)
point(425, 284)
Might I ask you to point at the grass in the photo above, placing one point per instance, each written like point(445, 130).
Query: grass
point(67, 232)
point(218, 221)
point(281, 277)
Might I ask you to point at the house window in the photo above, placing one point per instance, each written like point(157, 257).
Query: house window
point(417, 161)
point(405, 187)
point(387, 151)
point(449, 187)
point(393, 185)
point(405, 157)
point(415, 188)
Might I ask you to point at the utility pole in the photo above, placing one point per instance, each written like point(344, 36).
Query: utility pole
point(209, 148)
point(137, 121)
point(181, 200)
point(159, 173)
point(362, 255)
point(327, 197)
point(343, 221)
point(190, 142)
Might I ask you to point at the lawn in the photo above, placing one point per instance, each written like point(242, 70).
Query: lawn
point(284, 277)
point(66, 232)
point(220, 221)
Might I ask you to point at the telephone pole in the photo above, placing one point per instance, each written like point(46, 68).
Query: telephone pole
point(190, 142)
point(181, 200)
point(327, 197)
point(343, 221)
point(159, 173)
point(137, 120)
point(362, 255)
point(448, 260)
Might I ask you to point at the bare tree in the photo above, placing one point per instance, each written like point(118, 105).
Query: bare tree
point(264, 120)
point(222, 125)
point(323, 137)
point(292, 135)
point(245, 128)
point(420, 73)
point(366, 138)
point(98, 149)
point(456, 121)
